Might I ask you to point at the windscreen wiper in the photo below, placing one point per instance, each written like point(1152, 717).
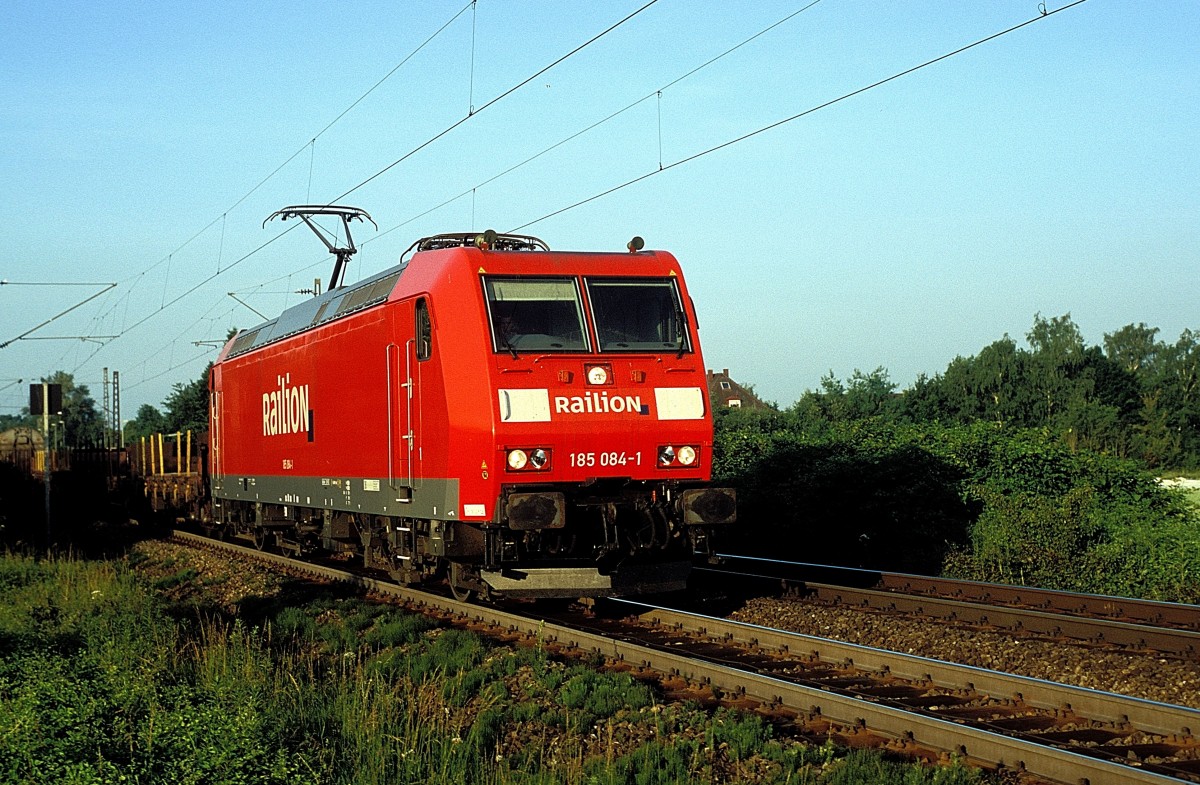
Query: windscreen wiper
point(682, 332)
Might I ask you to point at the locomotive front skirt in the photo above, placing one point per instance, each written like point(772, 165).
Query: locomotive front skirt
point(516, 420)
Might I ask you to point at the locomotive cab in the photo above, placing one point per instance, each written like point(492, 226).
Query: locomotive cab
point(607, 441)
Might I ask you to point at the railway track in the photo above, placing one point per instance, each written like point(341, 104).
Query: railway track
point(854, 695)
point(1169, 628)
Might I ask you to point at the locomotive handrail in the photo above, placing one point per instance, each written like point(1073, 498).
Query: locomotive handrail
point(391, 427)
point(407, 437)
point(408, 385)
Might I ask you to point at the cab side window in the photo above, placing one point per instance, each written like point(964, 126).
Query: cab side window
point(424, 331)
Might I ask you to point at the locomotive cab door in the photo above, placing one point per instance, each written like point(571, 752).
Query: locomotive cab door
point(216, 431)
point(405, 356)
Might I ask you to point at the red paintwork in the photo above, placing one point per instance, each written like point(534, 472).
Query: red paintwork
point(456, 420)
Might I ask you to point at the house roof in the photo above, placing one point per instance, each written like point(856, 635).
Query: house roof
point(723, 391)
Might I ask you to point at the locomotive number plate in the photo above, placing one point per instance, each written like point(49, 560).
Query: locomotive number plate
point(585, 459)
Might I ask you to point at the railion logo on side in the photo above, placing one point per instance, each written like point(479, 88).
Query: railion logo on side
point(285, 410)
point(599, 403)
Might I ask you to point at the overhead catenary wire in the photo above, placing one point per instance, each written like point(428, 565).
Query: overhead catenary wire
point(389, 74)
point(181, 296)
point(1043, 14)
point(657, 94)
point(96, 338)
point(662, 165)
point(207, 352)
point(495, 100)
point(197, 286)
point(612, 116)
point(166, 304)
point(58, 315)
point(307, 144)
point(55, 283)
point(228, 312)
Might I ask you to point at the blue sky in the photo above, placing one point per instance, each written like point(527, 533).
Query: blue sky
point(1051, 170)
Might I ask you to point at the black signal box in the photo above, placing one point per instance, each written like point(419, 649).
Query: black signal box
point(38, 406)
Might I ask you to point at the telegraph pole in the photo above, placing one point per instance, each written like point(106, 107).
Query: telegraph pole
point(46, 453)
point(42, 398)
point(118, 429)
point(106, 417)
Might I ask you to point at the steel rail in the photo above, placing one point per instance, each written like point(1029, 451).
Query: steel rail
point(1040, 611)
point(1133, 609)
point(1146, 715)
point(906, 726)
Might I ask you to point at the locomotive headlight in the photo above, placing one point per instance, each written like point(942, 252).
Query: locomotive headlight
point(597, 374)
point(517, 459)
point(686, 455)
point(666, 455)
point(538, 458)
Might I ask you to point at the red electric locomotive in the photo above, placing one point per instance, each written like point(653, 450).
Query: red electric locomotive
point(521, 421)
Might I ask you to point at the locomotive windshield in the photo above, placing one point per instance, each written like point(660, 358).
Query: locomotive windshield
point(535, 314)
point(546, 315)
point(637, 314)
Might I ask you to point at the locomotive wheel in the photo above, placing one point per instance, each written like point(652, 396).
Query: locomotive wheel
point(453, 577)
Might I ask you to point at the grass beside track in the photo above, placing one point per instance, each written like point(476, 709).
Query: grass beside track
point(109, 673)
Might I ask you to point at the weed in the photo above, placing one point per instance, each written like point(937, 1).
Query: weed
point(398, 629)
point(20, 570)
point(744, 734)
point(177, 579)
point(654, 763)
point(295, 623)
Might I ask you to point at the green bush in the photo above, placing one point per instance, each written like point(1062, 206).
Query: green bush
point(977, 501)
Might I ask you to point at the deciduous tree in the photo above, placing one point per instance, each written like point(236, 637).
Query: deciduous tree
point(1133, 347)
point(187, 405)
point(82, 424)
point(149, 420)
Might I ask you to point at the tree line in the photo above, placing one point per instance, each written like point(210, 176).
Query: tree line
point(1022, 464)
point(1136, 396)
point(83, 424)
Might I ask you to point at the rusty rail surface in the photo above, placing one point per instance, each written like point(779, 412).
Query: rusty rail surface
point(1171, 628)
